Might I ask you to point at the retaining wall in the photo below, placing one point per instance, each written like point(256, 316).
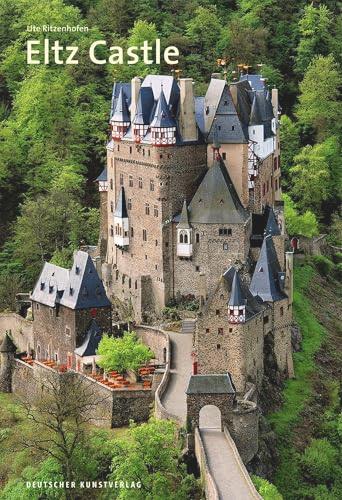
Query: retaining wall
point(20, 329)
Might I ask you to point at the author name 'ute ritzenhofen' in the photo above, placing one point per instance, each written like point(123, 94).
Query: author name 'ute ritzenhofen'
point(54, 52)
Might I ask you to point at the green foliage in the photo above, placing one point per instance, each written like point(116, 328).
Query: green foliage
point(297, 224)
point(318, 106)
point(151, 455)
point(319, 460)
point(290, 145)
point(315, 35)
point(170, 313)
point(10, 285)
point(324, 265)
point(122, 354)
point(266, 489)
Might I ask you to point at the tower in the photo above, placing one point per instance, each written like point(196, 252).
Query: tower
point(7, 351)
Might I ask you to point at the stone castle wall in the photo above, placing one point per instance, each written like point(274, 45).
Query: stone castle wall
point(19, 328)
point(212, 255)
point(244, 429)
point(235, 348)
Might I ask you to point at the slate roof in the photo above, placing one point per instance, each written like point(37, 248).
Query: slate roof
point(91, 341)
point(256, 82)
point(271, 224)
point(210, 384)
point(103, 176)
point(77, 288)
point(7, 344)
point(162, 116)
point(145, 106)
point(121, 113)
point(253, 306)
point(126, 87)
point(121, 208)
point(184, 218)
point(255, 117)
point(237, 297)
point(267, 276)
point(216, 200)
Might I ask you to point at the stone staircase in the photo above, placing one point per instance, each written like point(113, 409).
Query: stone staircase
point(188, 326)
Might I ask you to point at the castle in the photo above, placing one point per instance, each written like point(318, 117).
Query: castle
point(190, 206)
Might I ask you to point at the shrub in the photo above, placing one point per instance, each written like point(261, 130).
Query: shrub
point(319, 460)
point(337, 258)
point(323, 265)
point(266, 489)
point(170, 313)
point(338, 271)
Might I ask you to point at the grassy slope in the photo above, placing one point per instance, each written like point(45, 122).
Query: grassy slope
point(304, 403)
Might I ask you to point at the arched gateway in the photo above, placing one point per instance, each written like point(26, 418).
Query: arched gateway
point(207, 397)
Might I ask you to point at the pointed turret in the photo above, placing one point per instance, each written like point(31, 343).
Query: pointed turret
point(184, 234)
point(268, 280)
point(237, 301)
point(121, 118)
point(163, 125)
point(143, 113)
point(272, 226)
point(121, 225)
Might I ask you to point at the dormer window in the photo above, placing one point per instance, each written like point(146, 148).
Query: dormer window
point(71, 291)
point(77, 270)
point(42, 285)
point(50, 288)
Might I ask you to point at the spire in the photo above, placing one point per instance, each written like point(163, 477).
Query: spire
point(121, 209)
point(162, 116)
point(184, 218)
point(7, 344)
point(265, 280)
point(236, 295)
point(255, 116)
point(272, 224)
point(121, 113)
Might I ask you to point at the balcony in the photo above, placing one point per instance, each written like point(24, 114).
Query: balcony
point(184, 250)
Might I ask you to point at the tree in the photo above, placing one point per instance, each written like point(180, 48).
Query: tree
point(61, 413)
point(266, 489)
point(290, 145)
point(319, 460)
point(315, 31)
point(296, 224)
point(10, 285)
point(122, 354)
point(318, 100)
point(151, 455)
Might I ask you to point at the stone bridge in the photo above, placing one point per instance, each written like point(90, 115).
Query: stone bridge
point(225, 475)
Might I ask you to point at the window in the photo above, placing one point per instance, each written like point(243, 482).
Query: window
point(230, 330)
point(225, 247)
point(144, 235)
point(136, 285)
point(281, 311)
point(276, 184)
point(132, 232)
point(118, 147)
point(197, 268)
point(207, 330)
point(130, 181)
point(67, 331)
point(233, 127)
point(111, 206)
point(218, 346)
point(140, 183)
point(217, 312)
point(226, 103)
point(143, 152)
point(197, 237)
point(224, 156)
point(265, 320)
point(157, 243)
point(240, 312)
point(130, 150)
point(151, 185)
point(56, 356)
point(148, 153)
point(129, 283)
point(219, 127)
point(156, 267)
point(111, 184)
point(37, 306)
point(220, 331)
point(129, 204)
point(111, 231)
point(147, 208)
point(121, 179)
point(160, 156)
point(155, 210)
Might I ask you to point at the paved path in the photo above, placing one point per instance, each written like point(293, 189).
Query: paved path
point(229, 479)
point(223, 466)
point(174, 398)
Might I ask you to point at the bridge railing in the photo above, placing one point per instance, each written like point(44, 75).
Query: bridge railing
point(211, 491)
point(241, 465)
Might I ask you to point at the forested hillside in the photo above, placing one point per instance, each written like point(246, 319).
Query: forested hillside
point(54, 118)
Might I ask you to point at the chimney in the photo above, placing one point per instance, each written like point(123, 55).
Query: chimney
point(135, 89)
point(187, 119)
point(275, 103)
